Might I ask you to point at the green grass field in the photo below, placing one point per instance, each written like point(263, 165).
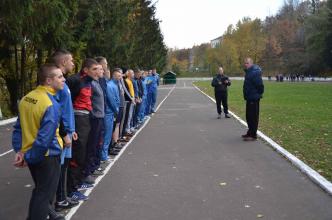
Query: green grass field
point(298, 116)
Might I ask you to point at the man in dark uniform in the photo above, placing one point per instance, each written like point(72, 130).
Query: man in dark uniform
point(220, 83)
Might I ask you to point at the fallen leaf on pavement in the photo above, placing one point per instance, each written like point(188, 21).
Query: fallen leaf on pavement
point(260, 216)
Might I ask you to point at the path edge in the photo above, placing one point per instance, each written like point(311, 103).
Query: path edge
point(8, 121)
point(303, 167)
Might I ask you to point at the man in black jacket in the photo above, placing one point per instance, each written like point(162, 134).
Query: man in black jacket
point(253, 89)
point(220, 83)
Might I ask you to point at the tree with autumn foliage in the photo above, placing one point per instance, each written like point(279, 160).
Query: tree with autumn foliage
point(297, 40)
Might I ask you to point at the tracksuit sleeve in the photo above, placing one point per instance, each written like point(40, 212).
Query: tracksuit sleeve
point(111, 99)
point(44, 137)
point(17, 136)
point(67, 114)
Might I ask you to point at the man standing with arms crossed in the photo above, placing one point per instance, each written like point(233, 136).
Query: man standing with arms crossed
point(220, 83)
point(36, 139)
point(253, 89)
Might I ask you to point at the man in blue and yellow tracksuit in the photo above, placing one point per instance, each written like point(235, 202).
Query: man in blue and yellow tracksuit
point(36, 139)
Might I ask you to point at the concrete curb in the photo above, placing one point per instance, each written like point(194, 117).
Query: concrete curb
point(311, 173)
point(8, 121)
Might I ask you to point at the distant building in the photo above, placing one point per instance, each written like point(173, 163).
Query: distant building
point(216, 42)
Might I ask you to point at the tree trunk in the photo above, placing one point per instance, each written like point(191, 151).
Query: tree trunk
point(39, 58)
point(16, 63)
point(23, 62)
point(12, 86)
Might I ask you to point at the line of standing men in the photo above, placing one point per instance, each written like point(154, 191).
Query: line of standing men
point(65, 130)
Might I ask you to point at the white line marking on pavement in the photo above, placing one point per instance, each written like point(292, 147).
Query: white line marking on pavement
point(311, 173)
point(165, 88)
point(5, 122)
point(7, 152)
point(98, 179)
point(8, 121)
point(165, 97)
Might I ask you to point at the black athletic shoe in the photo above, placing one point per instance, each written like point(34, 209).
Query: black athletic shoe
point(227, 116)
point(113, 152)
point(53, 215)
point(124, 139)
point(121, 143)
point(66, 204)
point(89, 179)
point(249, 138)
point(118, 146)
point(101, 169)
point(97, 173)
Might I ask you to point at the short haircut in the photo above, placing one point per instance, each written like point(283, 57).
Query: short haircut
point(57, 55)
point(117, 70)
point(45, 71)
point(99, 59)
point(88, 62)
point(248, 59)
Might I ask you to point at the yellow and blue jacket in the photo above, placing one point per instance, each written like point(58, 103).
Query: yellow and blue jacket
point(36, 131)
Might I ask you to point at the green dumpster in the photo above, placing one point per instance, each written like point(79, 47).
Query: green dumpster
point(169, 78)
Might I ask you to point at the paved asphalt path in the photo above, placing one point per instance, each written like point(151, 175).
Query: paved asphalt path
point(186, 164)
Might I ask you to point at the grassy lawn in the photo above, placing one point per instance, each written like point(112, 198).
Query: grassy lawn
point(298, 116)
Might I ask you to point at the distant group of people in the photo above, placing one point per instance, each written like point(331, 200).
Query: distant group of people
point(69, 125)
point(253, 89)
point(290, 77)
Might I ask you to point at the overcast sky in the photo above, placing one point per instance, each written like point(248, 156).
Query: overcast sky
point(185, 23)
